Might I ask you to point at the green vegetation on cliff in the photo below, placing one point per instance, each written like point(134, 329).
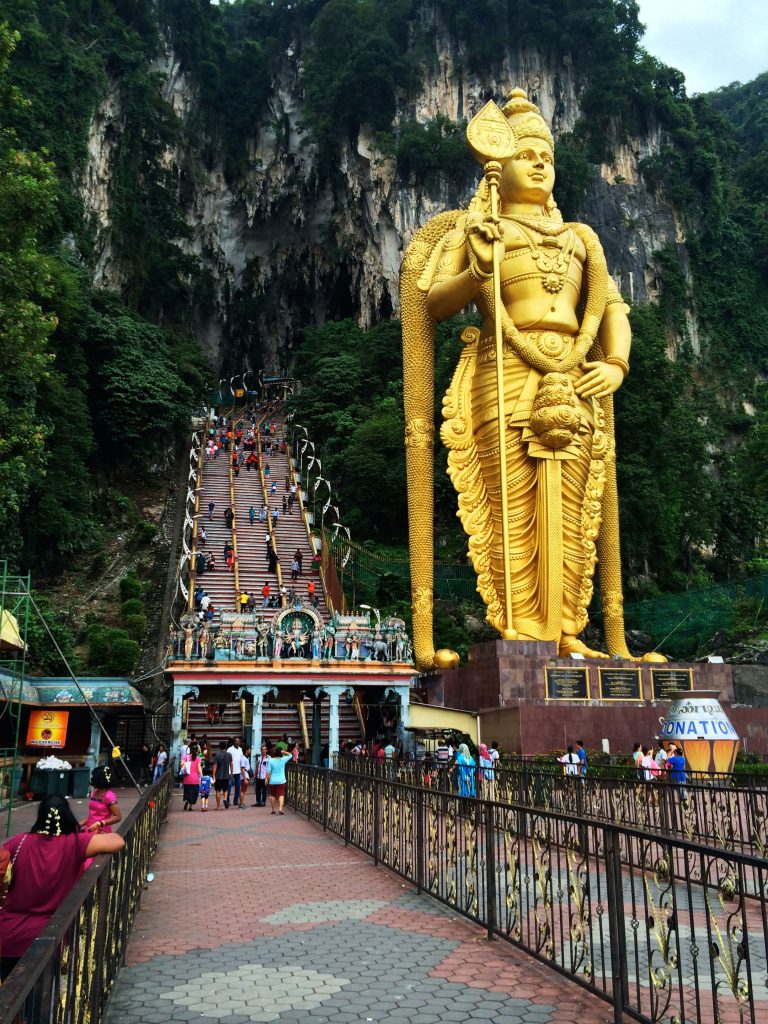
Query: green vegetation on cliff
point(102, 381)
point(91, 390)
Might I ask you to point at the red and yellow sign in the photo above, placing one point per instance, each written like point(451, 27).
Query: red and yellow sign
point(47, 728)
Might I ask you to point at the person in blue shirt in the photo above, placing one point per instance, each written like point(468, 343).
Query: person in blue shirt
point(205, 791)
point(276, 779)
point(677, 775)
point(582, 755)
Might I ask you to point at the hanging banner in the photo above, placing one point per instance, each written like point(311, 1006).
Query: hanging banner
point(47, 729)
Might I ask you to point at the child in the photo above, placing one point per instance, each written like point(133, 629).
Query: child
point(205, 791)
point(103, 809)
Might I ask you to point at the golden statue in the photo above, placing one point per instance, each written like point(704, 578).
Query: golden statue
point(534, 382)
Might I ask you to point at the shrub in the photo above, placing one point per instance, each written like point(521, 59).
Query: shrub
point(137, 626)
point(145, 532)
point(98, 644)
point(133, 606)
point(130, 586)
point(123, 655)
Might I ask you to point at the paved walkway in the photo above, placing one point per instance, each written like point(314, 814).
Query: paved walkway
point(252, 917)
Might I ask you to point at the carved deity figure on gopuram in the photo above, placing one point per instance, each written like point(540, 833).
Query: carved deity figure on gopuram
point(528, 417)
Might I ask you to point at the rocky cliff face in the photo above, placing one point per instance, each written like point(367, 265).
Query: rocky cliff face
point(287, 244)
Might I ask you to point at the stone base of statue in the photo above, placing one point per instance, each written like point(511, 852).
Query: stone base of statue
point(532, 701)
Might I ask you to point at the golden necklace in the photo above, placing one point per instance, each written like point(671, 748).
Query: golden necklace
point(552, 260)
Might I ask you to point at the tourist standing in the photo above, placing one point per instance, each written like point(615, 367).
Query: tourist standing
point(211, 508)
point(236, 772)
point(276, 779)
point(571, 761)
point(161, 762)
point(582, 755)
point(465, 774)
point(193, 773)
point(262, 771)
point(251, 515)
point(222, 769)
point(676, 767)
point(103, 808)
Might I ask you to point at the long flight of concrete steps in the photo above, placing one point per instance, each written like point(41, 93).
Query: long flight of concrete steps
point(219, 584)
point(280, 718)
point(290, 532)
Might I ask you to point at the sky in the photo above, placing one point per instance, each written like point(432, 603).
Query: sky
point(713, 42)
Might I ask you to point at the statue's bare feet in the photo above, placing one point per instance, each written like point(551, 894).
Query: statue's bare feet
point(654, 656)
point(572, 645)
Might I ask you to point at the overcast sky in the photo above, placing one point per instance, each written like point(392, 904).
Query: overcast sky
point(713, 42)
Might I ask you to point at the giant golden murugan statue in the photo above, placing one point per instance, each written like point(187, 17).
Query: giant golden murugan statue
point(529, 413)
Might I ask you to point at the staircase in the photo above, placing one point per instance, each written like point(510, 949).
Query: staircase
point(230, 724)
point(219, 584)
point(282, 719)
point(251, 489)
point(291, 532)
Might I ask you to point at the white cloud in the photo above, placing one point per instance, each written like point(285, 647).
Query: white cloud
point(713, 42)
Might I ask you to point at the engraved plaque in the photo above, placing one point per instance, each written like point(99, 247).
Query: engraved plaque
point(666, 680)
point(567, 684)
point(620, 684)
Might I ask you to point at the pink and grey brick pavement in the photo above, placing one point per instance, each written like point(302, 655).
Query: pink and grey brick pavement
point(253, 917)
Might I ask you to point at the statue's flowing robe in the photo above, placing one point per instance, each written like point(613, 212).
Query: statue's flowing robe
point(554, 494)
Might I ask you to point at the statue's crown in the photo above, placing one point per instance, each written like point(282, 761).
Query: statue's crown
point(525, 118)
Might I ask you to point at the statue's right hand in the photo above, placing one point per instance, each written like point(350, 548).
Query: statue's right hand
point(481, 233)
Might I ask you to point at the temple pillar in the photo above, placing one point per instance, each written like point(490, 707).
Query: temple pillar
point(334, 695)
point(179, 693)
point(404, 695)
point(258, 693)
point(94, 745)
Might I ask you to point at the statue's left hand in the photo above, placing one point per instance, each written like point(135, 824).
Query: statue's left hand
point(600, 379)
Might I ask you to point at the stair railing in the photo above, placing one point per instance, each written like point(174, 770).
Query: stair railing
point(303, 723)
point(196, 517)
point(233, 528)
point(311, 537)
point(271, 532)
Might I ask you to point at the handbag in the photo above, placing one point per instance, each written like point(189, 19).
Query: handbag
point(6, 869)
point(184, 768)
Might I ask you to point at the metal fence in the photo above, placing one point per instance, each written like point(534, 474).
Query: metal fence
point(660, 928)
point(710, 809)
point(67, 974)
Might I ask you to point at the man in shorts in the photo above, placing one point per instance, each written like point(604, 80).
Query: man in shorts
point(222, 767)
point(276, 779)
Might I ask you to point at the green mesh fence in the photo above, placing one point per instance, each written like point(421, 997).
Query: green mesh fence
point(369, 578)
point(680, 624)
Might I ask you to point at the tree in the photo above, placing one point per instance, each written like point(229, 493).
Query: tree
point(27, 204)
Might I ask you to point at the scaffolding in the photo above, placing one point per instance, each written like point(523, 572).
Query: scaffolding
point(14, 620)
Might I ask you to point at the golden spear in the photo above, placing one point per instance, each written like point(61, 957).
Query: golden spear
point(492, 140)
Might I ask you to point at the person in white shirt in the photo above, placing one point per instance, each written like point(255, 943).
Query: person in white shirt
point(494, 754)
point(571, 761)
point(262, 771)
point(183, 752)
point(236, 772)
point(205, 601)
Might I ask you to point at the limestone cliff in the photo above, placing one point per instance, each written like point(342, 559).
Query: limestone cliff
point(289, 243)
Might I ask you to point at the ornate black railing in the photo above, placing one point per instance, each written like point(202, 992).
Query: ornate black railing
point(67, 974)
point(707, 810)
point(660, 928)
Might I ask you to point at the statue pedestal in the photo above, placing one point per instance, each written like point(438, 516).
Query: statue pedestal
point(533, 701)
